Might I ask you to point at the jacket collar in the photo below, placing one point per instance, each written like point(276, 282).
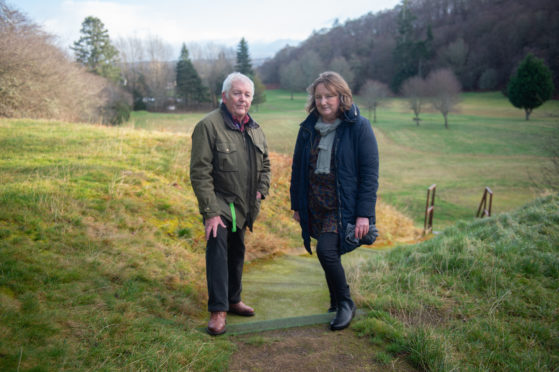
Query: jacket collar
point(228, 119)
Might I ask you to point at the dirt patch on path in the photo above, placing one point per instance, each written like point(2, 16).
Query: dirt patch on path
point(313, 348)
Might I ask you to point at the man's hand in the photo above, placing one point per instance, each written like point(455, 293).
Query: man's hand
point(361, 227)
point(212, 225)
point(296, 216)
point(258, 195)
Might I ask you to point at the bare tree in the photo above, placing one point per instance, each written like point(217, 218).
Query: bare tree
point(38, 80)
point(292, 77)
point(213, 63)
point(455, 56)
point(444, 91)
point(132, 54)
point(311, 66)
point(373, 94)
point(159, 71)
point(415, 90)
point(342, 67)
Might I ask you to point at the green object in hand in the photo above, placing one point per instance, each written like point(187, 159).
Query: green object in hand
point(233, 217)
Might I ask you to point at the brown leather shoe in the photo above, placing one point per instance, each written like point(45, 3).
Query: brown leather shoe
point(241, 309)
point(216, 325)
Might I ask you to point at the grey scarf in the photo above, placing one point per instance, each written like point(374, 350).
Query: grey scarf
point(327, 134)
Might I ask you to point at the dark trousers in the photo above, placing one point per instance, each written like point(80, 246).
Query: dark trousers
point(225, 256)
point(331, 262)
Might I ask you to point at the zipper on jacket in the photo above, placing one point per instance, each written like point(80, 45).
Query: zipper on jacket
point(340, 223)
point(251, 158)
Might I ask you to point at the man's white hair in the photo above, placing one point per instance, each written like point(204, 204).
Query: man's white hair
point(235, 76)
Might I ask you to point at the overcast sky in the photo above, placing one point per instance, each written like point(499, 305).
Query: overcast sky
point(178, 21)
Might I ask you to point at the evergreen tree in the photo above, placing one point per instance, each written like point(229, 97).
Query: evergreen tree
point(95, 51)
point(531, 85)
point(404, 52)
point(189, 84)
point(244, 66)
point(409, 54)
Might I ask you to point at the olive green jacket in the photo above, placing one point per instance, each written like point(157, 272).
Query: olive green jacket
point(229, 166)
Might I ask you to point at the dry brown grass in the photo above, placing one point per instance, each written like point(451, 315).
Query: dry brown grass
point(275, 230)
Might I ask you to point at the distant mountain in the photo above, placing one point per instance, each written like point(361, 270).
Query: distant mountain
point(262, 50)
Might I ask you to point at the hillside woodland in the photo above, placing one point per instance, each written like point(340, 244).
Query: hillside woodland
point(38, 79)
point(482, 41)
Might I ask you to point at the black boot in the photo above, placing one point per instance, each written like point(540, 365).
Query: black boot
point(344, 315)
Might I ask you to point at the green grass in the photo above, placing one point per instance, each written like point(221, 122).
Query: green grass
point(101, 261)
point(488, 144)
point(101, 245)
point(483, 295)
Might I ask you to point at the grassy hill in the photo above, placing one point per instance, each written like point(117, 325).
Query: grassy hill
point(482, 296)
point(102, 248)
point(100, 254)
point(101, 245)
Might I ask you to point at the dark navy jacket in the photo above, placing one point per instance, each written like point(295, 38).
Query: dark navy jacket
point(355, 148)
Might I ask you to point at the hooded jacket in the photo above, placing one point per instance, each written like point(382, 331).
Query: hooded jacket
point(229, 166)
point(356, 166)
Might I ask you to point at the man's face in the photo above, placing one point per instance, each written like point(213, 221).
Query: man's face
point(239, 99)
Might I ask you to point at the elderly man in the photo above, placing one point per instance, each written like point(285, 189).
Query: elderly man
point(230, 175)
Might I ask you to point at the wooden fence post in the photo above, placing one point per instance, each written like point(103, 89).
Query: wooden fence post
point(483, 210)
point(429, 209)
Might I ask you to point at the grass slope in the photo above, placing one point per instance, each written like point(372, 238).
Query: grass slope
point(482, 296)
point(101, 263)
point(102, 248)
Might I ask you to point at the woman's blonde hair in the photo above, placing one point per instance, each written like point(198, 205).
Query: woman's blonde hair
point(335, 83)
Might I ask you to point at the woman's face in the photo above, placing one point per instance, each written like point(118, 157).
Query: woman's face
point(327, 103)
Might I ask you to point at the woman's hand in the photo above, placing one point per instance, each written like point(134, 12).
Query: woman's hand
point(361, 227)
point(296, 216)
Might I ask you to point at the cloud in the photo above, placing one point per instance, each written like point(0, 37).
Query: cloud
point(223, 22)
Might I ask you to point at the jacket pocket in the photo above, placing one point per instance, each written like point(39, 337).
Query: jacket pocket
point(226, 157)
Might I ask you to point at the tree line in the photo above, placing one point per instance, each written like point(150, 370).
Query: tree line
point(475, 45)
point(106, 79)
point(481, 41)
point(39, 80)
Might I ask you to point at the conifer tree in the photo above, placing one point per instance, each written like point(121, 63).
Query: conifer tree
point(189, 84)
point(95, 51)
point(531, 85)
point(244, 65)
point(410, 53)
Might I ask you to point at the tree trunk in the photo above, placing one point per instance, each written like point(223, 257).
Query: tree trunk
point(528, 112)
point(375, 115)
point(445, 121)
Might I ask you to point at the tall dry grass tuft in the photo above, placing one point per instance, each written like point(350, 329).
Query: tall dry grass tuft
point(394, 227)
point(275, 230)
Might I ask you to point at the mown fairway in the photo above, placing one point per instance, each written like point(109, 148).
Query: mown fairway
point(488, 144)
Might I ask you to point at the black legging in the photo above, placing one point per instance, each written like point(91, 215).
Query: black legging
point(330, 260)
